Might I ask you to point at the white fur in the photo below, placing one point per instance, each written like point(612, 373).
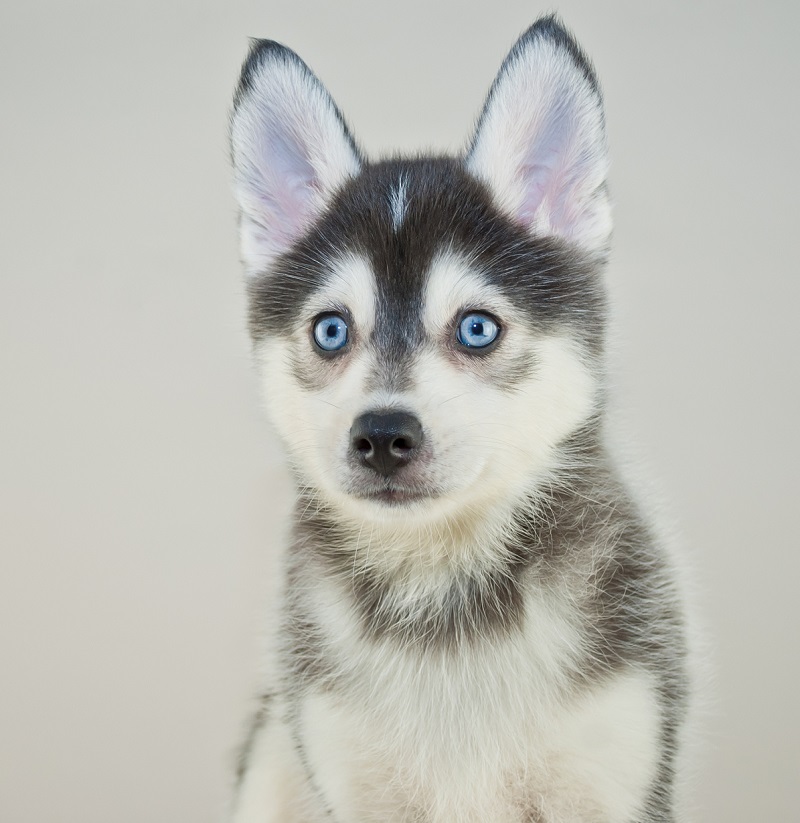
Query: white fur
point(350, 283)
point(470, 754)
point(290, 152)
point(541, 146)
point(274, 787)
point(494, 735)
point(397, 203)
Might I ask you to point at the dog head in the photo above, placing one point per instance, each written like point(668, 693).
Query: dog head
point(428, 331)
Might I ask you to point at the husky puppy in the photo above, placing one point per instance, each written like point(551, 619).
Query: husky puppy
point(477, 622)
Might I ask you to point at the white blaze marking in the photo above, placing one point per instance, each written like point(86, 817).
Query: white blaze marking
point(397, 203)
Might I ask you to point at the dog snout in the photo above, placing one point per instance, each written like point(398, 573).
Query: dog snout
point(385, 441)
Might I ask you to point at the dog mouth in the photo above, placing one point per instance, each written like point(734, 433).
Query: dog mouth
point(394, 495)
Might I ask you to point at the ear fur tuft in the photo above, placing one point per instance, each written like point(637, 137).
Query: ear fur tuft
point(291, 151)
point(540, 142)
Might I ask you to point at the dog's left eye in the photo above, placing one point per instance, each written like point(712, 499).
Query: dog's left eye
point(476, 331)
point(330, 332)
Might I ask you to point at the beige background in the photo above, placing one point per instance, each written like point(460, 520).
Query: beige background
point(142, 494)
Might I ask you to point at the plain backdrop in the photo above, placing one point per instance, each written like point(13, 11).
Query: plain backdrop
point(143, 495)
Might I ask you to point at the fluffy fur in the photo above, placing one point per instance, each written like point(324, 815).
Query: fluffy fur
point(489, 631)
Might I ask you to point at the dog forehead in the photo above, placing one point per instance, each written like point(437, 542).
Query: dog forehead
point(374, 250)
point(412, 221)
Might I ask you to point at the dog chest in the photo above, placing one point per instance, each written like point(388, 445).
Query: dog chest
point(450, 742)
point(496, 728)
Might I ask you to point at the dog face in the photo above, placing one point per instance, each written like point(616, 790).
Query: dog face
point(428, 331)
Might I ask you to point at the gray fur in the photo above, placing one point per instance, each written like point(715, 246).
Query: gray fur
point(578, 534)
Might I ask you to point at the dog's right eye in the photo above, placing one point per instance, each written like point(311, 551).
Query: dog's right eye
point(330, 332)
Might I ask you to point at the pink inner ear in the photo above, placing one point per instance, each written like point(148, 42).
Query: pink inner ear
point(558, 178)
point(288, 186)
point(292, 208)
point(537, 179)
point(544, 175)
point(541, 147)
point(291, 151)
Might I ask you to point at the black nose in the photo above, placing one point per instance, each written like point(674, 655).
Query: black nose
point(385, 440)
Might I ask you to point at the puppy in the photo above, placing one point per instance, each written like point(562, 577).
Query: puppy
point(477, 622)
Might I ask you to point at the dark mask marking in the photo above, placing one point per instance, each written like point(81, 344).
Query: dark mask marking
point(553, 283)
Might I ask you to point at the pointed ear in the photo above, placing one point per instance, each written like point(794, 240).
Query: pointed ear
point(291, 151)
point(540, 143)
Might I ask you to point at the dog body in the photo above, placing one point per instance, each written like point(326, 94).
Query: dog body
point(477, 623)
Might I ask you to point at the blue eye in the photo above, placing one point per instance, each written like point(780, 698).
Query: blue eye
point(476, 331)
point(330, 332)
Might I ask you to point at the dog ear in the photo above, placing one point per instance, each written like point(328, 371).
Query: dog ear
point(540, 143)
point(291, 151)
